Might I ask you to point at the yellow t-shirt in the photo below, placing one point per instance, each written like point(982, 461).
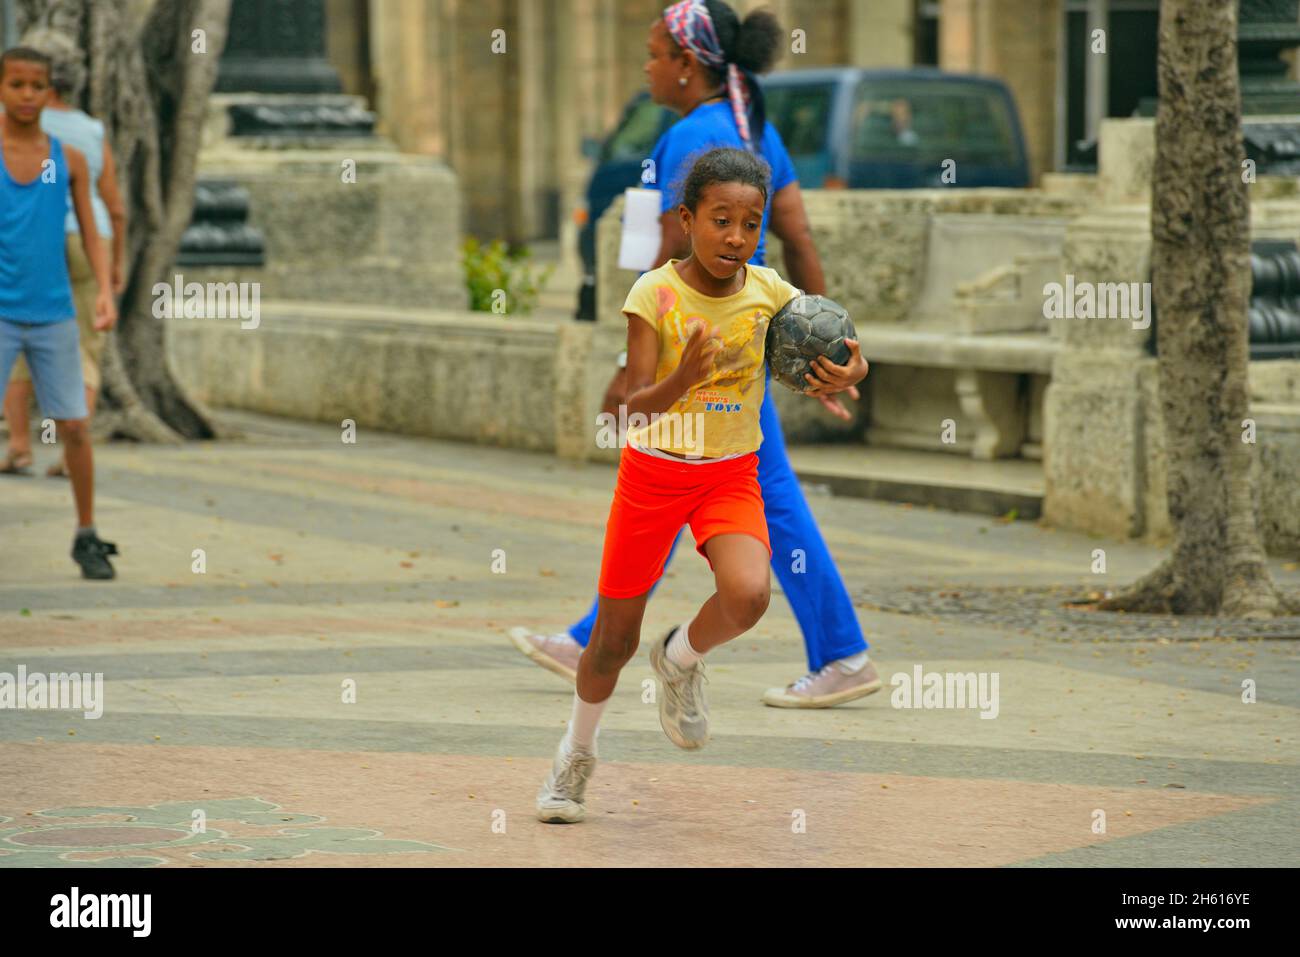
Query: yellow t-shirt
point(719, 417)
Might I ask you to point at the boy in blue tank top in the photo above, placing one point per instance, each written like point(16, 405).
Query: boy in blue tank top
point(37, 316)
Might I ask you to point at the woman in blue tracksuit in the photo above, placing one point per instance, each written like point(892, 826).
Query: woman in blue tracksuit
point(702, 62)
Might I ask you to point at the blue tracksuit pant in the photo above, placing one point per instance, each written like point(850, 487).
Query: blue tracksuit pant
point(815, 591)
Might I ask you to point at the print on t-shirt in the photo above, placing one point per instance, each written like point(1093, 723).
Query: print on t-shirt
point(737, 365)
point(729, 401)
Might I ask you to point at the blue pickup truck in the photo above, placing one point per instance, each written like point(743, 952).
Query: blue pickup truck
point(844, 128)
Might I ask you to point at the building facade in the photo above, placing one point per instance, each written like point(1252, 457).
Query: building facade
point(511, 122)
point(506, 91)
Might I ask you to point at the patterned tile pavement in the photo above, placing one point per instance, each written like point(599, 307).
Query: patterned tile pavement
point(366, 570)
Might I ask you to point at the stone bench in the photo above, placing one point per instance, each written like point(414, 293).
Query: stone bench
point(957, 392)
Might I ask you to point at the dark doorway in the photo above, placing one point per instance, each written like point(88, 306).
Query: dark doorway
point(1131, 41)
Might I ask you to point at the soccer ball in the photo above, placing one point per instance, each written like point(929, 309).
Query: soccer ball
point(807, 327)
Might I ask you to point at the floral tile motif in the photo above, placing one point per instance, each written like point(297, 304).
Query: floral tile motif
point(233, 829)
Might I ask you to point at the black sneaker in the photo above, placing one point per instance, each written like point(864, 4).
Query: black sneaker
point(91, 554)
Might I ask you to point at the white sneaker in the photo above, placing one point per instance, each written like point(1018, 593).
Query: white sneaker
point(560, 801)
point(557, 653)
point(825, 688)
point(683, 712)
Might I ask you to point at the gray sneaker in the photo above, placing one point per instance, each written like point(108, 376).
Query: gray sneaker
point(683, 712)
point(560, 801)
point(558, 653)
point(826, 688)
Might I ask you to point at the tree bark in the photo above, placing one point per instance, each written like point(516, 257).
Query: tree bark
point(1200, 223)
point(150, 88)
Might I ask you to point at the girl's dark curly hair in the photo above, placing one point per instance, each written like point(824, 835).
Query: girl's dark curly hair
point(724, 165)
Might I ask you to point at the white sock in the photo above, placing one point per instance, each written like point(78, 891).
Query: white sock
point(583, 724)
point(679, 648)
point(853, 663)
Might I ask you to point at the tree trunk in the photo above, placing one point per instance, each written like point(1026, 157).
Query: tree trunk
point(150, 87)
point(1200, 223)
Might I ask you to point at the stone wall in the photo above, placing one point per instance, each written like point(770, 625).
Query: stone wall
point(388, 235)
point(468, 376)
point(1104, 429)
point(875, 245)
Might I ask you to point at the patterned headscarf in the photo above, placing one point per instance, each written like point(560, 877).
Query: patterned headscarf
point(689, 23)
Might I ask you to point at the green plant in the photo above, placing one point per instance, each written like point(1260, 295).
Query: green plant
point(501, 278)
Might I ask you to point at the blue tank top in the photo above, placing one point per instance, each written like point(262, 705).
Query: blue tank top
point(34, 286)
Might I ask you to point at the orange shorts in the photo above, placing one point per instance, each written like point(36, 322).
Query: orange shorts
point(654, 498)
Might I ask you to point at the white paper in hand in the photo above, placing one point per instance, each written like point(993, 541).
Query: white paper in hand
point(641, 233)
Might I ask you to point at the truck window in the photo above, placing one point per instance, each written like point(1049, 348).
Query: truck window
point(801, 113)
point(637, 134)
point(926, 122)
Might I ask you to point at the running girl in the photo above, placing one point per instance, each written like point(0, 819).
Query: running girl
point(696, 330)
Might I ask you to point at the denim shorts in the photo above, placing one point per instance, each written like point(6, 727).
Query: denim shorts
point(53, 354)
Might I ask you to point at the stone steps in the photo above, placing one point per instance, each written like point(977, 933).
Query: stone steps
point(936, 479)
